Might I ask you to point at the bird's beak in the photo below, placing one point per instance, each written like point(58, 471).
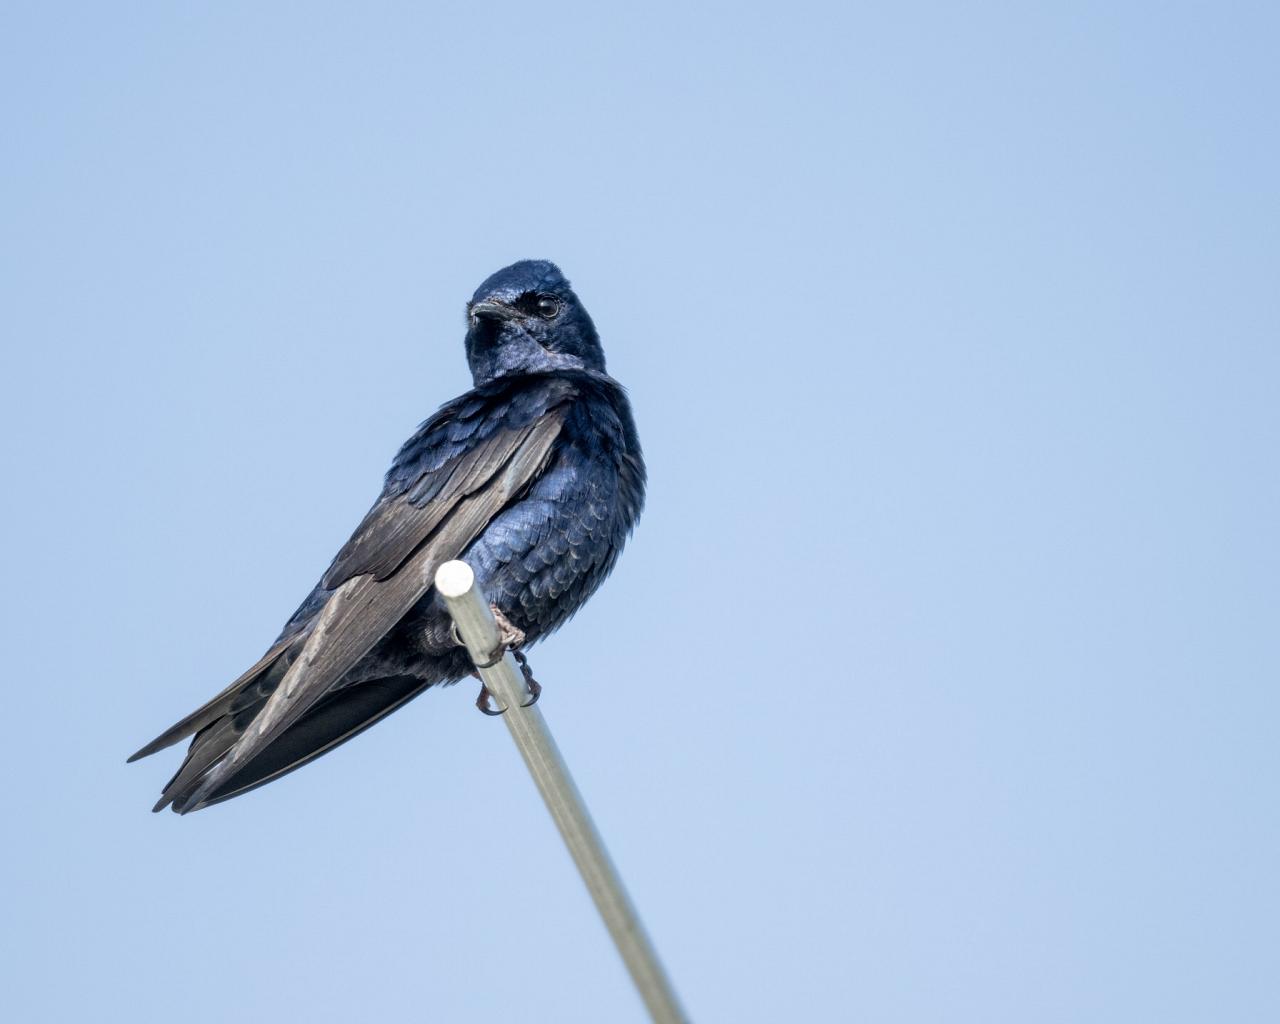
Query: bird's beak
point(490, 310)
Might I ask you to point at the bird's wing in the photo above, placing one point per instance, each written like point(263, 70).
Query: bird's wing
point(397, 524)
point(386, 568)
point(217, 706)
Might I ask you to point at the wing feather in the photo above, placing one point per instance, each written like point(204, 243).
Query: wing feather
point(364, 607)
point(397, 523)
point(218, 706)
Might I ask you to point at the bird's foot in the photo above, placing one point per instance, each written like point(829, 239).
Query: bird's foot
point(510, 637)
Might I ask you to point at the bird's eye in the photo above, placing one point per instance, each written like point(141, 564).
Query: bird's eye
point(548, 306)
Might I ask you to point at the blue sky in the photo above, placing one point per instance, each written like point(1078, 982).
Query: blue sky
point(939, 681)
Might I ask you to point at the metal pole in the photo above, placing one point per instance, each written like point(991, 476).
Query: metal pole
point(476, 625)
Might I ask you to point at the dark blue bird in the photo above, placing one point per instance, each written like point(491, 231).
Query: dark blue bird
point(534, 477)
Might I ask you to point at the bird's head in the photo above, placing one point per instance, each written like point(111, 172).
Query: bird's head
point(526, 319)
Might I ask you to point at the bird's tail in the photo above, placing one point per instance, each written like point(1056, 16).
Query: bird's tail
point(337, 718)
point(217, 726)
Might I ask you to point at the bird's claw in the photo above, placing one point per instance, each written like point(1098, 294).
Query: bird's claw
point(535, 687)
point(485, 701)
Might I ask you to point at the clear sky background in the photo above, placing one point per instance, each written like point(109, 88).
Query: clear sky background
point(939, 682)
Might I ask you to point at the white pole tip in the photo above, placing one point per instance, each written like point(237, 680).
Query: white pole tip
point(453, 579)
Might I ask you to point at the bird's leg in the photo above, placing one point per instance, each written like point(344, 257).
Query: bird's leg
point(510, 637)
point(509, 634)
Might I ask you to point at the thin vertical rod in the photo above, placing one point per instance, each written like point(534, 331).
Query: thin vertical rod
point(476, 625)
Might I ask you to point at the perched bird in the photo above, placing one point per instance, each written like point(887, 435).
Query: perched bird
point(534, 477)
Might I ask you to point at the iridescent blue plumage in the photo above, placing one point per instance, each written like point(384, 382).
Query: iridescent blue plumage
point(535, 477)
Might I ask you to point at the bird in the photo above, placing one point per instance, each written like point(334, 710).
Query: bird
point(534, 477)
